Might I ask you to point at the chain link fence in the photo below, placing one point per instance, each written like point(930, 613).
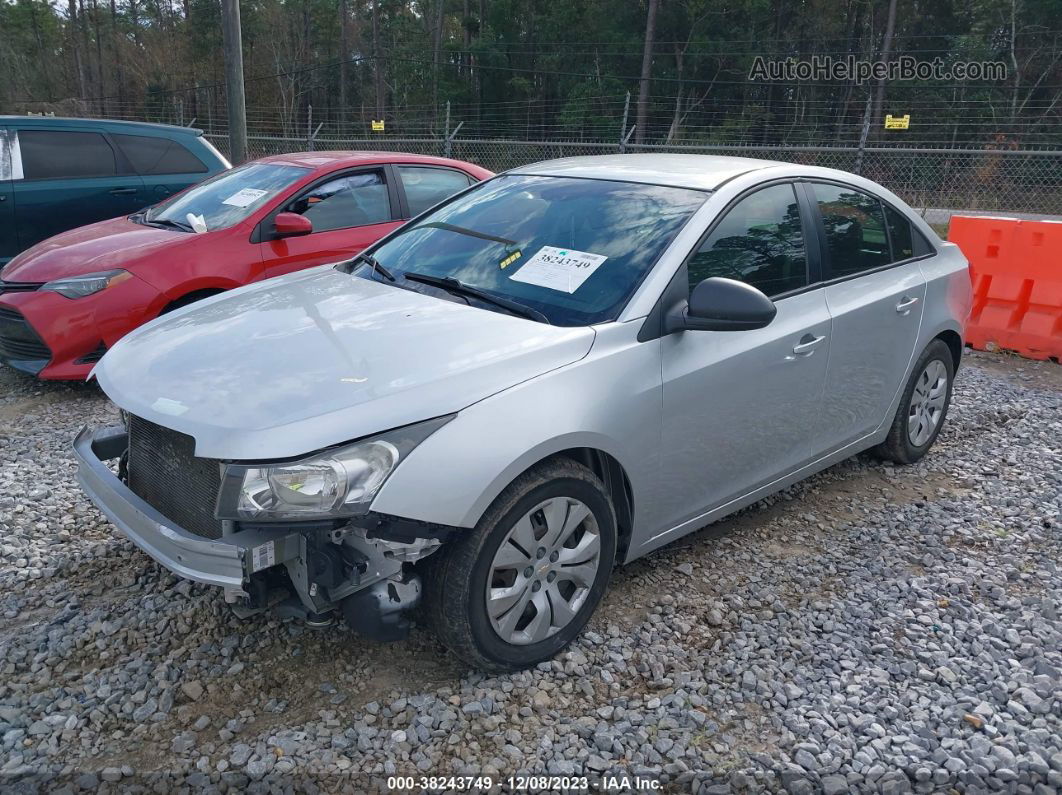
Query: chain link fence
point(1004, 180)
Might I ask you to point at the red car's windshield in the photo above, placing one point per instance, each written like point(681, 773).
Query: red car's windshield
point(225, 199)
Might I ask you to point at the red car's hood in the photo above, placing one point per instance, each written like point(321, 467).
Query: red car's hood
point(102, 246)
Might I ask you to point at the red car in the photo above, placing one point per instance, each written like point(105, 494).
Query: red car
point(64, 301)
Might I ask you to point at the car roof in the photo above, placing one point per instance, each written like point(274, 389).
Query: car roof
point(702, 172)
point(72, 121)
point(329, 159)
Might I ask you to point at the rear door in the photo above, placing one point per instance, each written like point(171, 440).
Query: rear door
point(70, 177)
point(165, 164)
point(349, 210)
point(875, 293)
point(8, 234)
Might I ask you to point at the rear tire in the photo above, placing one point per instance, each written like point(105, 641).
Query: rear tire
point(520, 586)
point(923, 407)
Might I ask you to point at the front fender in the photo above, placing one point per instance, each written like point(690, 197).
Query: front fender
point(608, 401)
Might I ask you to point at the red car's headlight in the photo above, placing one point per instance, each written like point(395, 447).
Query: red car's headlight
point(80, 286)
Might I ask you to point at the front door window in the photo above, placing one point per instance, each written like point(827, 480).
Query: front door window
point(343, 202)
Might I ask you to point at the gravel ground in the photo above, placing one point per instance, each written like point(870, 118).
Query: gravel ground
point(872, 629)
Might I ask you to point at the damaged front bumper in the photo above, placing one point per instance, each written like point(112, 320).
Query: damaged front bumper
point(383, 547)
point(222, 563)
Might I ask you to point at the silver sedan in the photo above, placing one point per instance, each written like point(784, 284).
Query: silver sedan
point(549, 374)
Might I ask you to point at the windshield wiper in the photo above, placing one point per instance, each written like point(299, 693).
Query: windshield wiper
point(467, 232)
point(169, 222)
point(457, 287)
point(373, 263)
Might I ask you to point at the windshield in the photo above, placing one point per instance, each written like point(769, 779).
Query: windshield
point(225, 199)
point(572, 249)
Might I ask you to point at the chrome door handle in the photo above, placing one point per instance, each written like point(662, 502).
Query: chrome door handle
point(807, 346)
point(905, 304)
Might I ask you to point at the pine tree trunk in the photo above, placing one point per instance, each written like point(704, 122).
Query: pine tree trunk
point(377, 60)
point(116, 49)
point(99, 57)
point(344, 57)
point(436, 47)
point(886, 51)
point(75, 47)
point(676, 120)
point(647, 65)
point(134, 19)
point(86, 58)
point(478, 75)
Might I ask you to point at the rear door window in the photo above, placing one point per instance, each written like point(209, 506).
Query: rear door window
point(426, 186)
point(150, 155)
point(350, 200)
point(55, 154)
point(855, 229)
point(907, 241)
point(899, 234)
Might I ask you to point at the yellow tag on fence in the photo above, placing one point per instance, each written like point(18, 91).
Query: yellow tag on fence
point(897, 122)
point(377, 126)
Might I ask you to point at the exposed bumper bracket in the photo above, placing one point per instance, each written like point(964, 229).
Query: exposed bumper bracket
point(227, 563)
point(399, 530)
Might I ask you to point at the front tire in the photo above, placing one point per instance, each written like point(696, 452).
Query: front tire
point(923, 407)
point(522, 584)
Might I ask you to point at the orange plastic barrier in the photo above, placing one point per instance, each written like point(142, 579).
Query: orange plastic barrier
point(1016, 267)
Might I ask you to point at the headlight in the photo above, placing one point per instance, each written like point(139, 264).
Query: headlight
point(80, 286)
point(338, 482)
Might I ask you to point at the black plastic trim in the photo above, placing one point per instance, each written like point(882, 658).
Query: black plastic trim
point(122, 163)
point(92, 356)
point(813, 242)
point(25, 349)
point(880, 269)
point(677, 291)
point(376, 525)
point(400, 530)
point(19, 287)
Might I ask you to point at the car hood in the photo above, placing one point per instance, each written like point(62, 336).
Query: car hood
point(102, 246)
point(298, 363)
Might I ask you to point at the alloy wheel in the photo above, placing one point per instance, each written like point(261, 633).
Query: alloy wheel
point(927, 403)
point(543, 571)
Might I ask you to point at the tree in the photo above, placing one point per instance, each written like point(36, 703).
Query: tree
point(886, 50)
point(543, 68)
point(647, 65)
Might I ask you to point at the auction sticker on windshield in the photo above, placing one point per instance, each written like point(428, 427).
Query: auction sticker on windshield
point(560, 269)
point(245, 197)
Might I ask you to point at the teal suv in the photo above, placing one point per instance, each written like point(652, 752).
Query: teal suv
point(57, 174)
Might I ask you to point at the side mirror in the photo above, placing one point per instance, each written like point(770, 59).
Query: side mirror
point(719, 304)
point(291, 225)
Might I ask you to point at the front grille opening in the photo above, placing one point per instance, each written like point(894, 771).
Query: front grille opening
point(92, 356)
point(19, 287)
point(18, 340)
point(164, 471)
